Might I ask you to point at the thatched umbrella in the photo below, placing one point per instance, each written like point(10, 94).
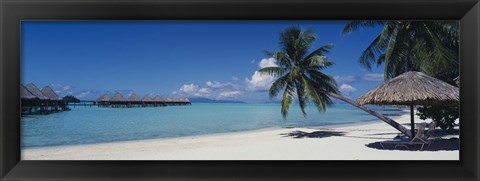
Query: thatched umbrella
point(35, 91)
point(133, 98)
point(118, 98)
point(25, 94)
point(412, 88)
point(47, 91)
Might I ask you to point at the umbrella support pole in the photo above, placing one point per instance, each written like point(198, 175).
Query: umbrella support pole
point(412, 122)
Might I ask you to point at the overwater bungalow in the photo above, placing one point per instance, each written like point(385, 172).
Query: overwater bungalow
point(177, 102)
point(35, 101)
point(147, 101)
point(134, 101)
point(56, 102)
point(118, 100)
point(40, 105)
point(28, 100)
point(103, 101)
point(158, 101)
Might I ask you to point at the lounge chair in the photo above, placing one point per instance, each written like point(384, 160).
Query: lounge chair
point(419, 139)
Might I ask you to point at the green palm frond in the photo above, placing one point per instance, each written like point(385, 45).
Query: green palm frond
point(272, 71)
point(301, 95)
point(299, 72)
point(278, 85)
point(287, 99)
point(428, 46)
point(317, 63)
point(320, 51)
point(353, 26)
point(371, 53)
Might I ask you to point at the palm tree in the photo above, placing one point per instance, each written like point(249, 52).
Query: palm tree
point(426, 46)
point(431, 47)
point(299, 75)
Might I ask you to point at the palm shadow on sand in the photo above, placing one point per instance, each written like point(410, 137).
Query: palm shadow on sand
point(315, 134)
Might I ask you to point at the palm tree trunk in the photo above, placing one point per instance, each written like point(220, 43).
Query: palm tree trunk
point(387, 120)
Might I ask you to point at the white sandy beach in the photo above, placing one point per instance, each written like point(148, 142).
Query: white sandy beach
point(327, 143)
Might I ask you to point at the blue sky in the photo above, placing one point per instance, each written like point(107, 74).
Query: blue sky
point(213, 59)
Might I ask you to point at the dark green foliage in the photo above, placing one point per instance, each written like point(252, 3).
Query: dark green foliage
point(299, 71)
point(70, 98)
point(428, 46)
point(431, 47)
point(444, 116)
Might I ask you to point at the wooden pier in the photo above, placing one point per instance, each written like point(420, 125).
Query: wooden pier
point(119, 101)
point(45, 101)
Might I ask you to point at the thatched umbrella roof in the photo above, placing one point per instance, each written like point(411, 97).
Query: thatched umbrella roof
point(157, 98)
point(118, 98)
point(35, 91)
point(104, 97)
point(146, 98)
point(412, 88)
point(133, 97)
point(47, 91)
point(25, 94)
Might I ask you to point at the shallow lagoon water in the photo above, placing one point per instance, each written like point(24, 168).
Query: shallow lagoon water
point(83, 125)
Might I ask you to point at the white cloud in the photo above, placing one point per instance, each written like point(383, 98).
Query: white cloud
point(373, 77)
point(259, 82)
point(211, 89)
point(229, 94)
point(346, 88)
point(204, 90)
point(215, 84)
point(267, 62)
point(189, 88)
point(234, 78)
point(345, 79)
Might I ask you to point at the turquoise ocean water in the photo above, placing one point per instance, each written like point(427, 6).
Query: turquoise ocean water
point(83, 125)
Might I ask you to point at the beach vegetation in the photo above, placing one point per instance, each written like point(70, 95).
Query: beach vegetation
point(299, 74)
point(431, 47)
point(70, 98)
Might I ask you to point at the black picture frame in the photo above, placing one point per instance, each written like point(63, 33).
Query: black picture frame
point(14, 11)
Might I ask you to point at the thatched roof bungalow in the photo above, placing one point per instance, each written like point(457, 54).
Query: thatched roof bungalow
point(36, 92)
point(157, 98)
point(146, 98)
point(47, 91)
point(25, 94)
point(118, 98)
point(104, 98)
point(184, 99)
point(133, 98)
point(169, 99)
